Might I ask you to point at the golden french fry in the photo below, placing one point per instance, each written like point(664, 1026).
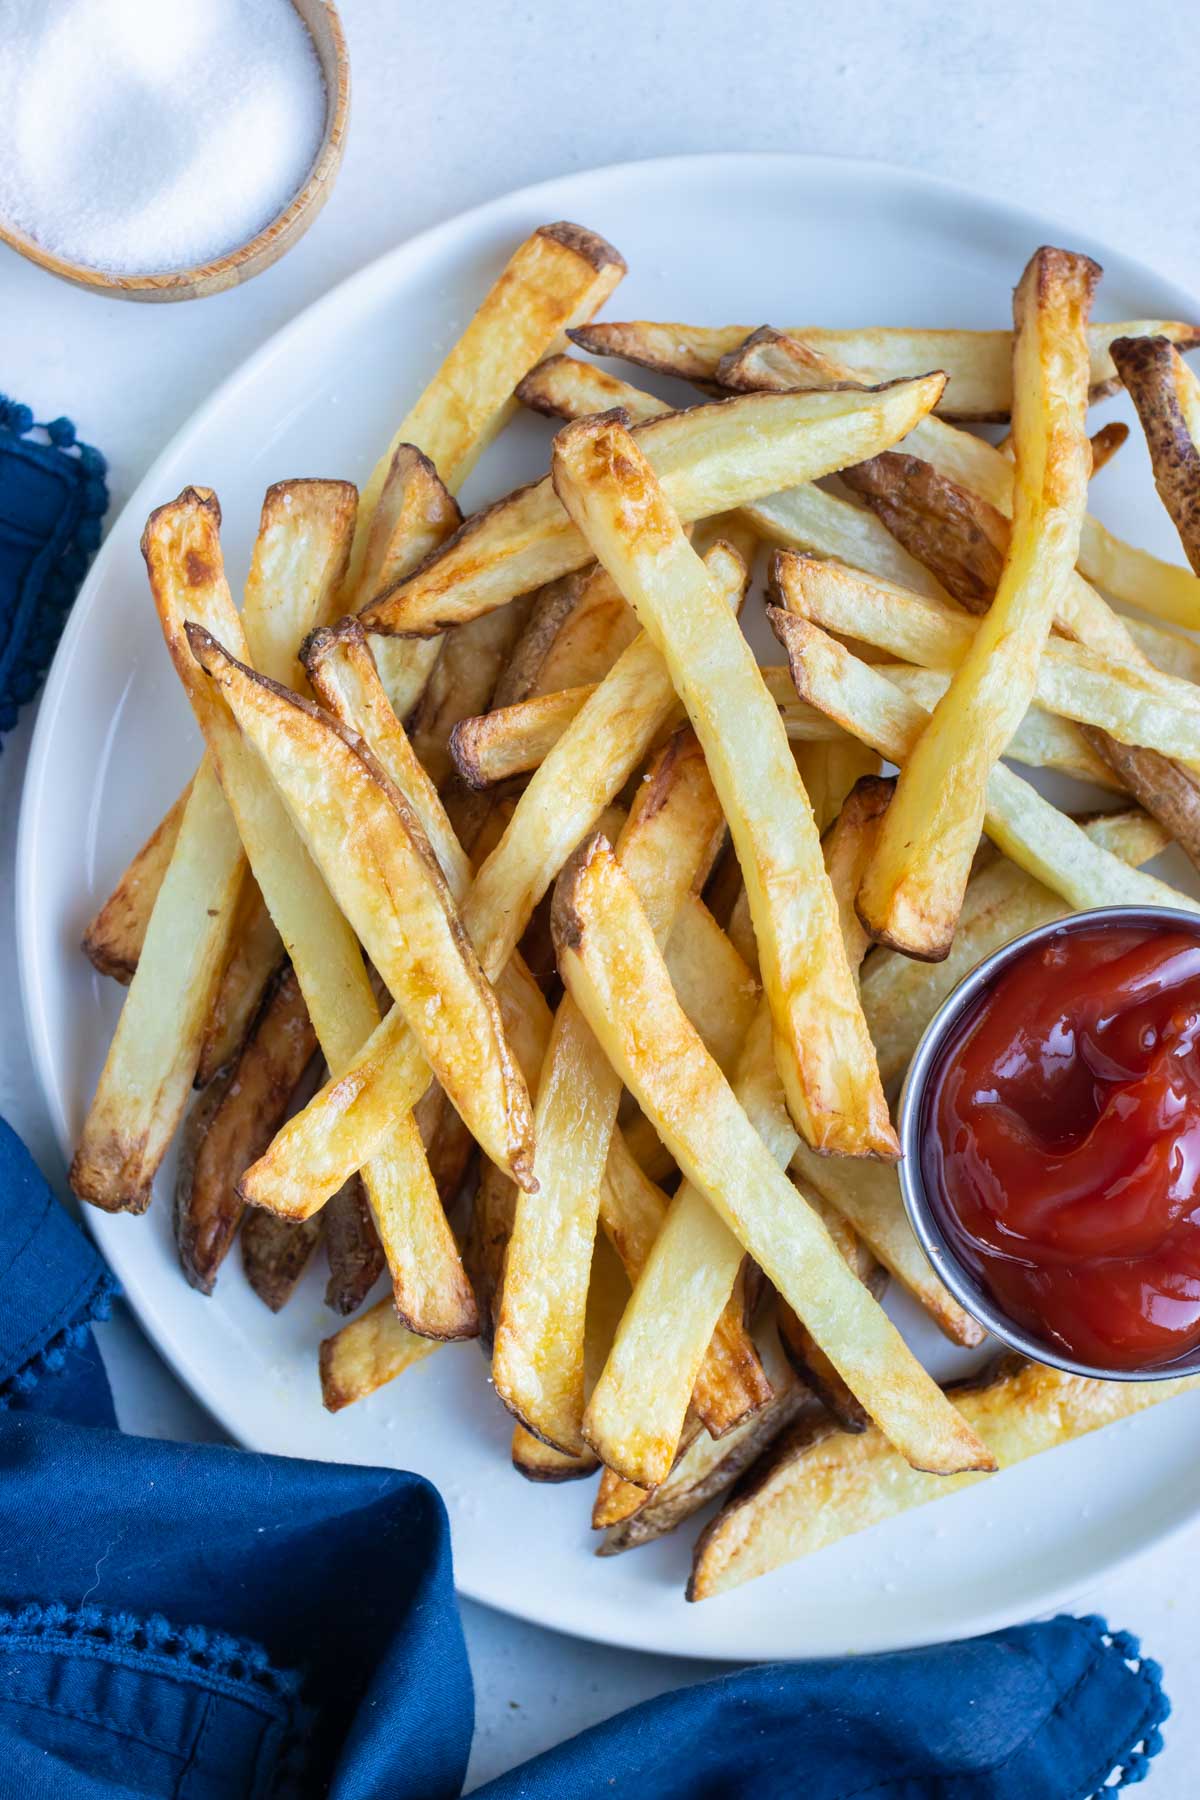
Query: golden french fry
point(1045, 842)
point(978, 364)
point(821, 1484)
point(415, 513)
point(319, 1149)
point(667, 844)
point(913, 889)
point(555, 279)
point(376, 860)
point(771, 362)
point(298, 560)
point(709, 459)
point(616, 976)
point(113, 940)
point(715, 987)
point(900, 995)
point(254, 957)
point(1134, 703)
point(184, 557)
point(826, 1057)
point(366, 1353)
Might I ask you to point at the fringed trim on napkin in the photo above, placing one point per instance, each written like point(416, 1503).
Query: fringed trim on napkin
point(35, 632)
point(237, 1667)
point(1133, 1764)
point(96, 1305)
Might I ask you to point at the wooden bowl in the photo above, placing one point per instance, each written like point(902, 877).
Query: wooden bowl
point(325, 28)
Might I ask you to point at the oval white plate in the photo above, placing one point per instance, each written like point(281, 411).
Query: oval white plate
point(709, 239)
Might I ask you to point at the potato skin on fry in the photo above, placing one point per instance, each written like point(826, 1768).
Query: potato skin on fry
point(1153, 373)
point(227, 1132)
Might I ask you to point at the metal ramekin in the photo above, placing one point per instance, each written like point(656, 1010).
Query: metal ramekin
point(960, 1281)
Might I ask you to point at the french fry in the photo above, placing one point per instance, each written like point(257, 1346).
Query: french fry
point(1041, 740)
point(1136, 704)
point(1045, 842)
point(415, 513)
point(541, 1462)
point(298, 560)
point(900, 996)
point(613, 971)
point(1167, 397)
point(183, 551)
point(826, 1058)
point(224, 1135)
point(772, 362)
point(370, 848)
point(709, 459)
point(556, 278)
point(978, 364)
point(355, 1255)
point(964, 538)
point(537, 1365)
point(806, 1357)
point(461, 683)
point(707, 1469)
point(821, 1484)
point(913, 889)
point(365, 1354)
point(276, 1252)
point(340, 1128)
point(716, 989)
point(151, 1062)
point(255, 955)
point(113, 940)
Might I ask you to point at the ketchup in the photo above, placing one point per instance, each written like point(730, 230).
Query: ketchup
point(1060, 1142)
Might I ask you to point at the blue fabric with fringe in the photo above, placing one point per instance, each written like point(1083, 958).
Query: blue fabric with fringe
point(197, 1622)
point(52, 499)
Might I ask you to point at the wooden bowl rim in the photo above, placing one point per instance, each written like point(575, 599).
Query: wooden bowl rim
point(310, 195)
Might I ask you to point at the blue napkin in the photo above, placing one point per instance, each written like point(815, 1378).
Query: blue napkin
point(52, 499)
point(198, 1622)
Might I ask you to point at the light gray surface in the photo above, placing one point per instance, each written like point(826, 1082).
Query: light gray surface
point(1086, 113)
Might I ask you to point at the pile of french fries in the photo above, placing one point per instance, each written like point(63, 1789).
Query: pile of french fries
point(554, 965)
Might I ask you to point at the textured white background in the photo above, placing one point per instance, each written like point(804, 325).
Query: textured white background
point(1086, 111)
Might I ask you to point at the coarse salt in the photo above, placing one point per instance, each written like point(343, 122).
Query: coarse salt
point(144, 136)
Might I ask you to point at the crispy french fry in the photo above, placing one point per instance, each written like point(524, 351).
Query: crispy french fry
point(355, 1254)
point(365, 1354)
point(340, 1128)
point(821, 1484)
point(1167, 397)
point(771, 362)
point(617, 978)
point(715, 987)
point(978, 364)
point(537, 1365)
point(555, 279)
point(900, 995)
point(183, 551)
point(298, 560)
point(964, 538)
point(276, 1252)
point(806, 1357)
point(255, 955)
point(370, 848)
point(542, 1462)
point(415, 513)
point(709, 459)
point(1136, 704)
point(1045, 842)
point(225, 1135)
point(113, 940)
point(826, 1057)
point(152, 1059)
point(707, 1469)
point(913, 889)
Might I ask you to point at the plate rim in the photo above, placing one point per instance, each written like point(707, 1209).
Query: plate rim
point(1181, 303)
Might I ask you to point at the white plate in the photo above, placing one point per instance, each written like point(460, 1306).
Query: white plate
point(711, 239)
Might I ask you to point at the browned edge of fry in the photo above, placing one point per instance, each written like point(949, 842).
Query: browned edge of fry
point(1147, 366)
